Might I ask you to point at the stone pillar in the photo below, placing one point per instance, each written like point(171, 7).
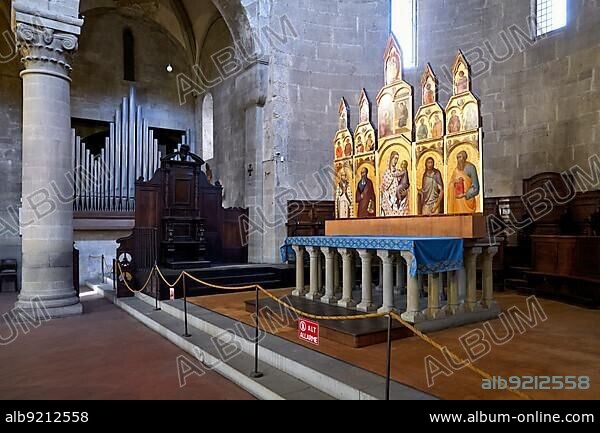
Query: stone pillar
point(329, 297)
point(400, 275)
point(355, 283)
point(387, 280)
point(412, 313)
point(471, 255)
point(314, 253)
point(461, 278)
point(300, 290)
point(453, 306)
point(379, 287)
point(434, 310)
point(487, 268)
point(46, 36)
point(337, 286)
point(366, 303)
point(347, 284)
point(321, 281)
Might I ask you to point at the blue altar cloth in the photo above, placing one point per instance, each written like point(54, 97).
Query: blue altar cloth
point(432, 255)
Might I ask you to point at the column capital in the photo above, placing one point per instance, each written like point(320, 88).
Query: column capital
point(473, 251)
point(346, 253)
point(313, 251)
point(45, 38)
point(298, 249)
point(386, 256)
point(365, 254)
point(328, 252)
point(490, 252)
point(407, 256)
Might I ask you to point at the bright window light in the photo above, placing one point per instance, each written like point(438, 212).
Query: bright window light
point(404, 27)
point(550, 15)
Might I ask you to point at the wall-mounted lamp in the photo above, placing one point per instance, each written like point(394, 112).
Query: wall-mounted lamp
point(250, 170)
point(169, 68)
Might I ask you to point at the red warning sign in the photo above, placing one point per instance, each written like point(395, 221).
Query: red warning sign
point(308, 331)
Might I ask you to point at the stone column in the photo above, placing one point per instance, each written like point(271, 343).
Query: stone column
point(314, 253)
point(337, 286)
point(412, 313)
point(300, 290)
point(434, 310)
point(387, 280)
point(320, 283)
point(46, 38)
point(379, 287)
point(471, 255)
point(400, 275)
point(347, 284)
point(353, 258)
point(329, 297)
point(453, 306)
point(488, 277)
point(366, 303)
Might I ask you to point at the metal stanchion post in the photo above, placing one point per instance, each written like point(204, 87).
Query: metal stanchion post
point(103, 277)
point(187, 334)
point(256, 374)
point(156, 287)
point(114, 272)
point(389, 358)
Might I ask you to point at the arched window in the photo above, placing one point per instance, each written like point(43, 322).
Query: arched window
point(208, 149)
point(128, 55)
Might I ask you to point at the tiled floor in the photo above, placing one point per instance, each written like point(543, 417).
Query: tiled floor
point(103, 354)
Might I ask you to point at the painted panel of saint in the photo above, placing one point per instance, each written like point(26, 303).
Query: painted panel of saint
point(344, 203)
point(365, 196)
point(348, 147)
point(339, 149)
point(430, 184)
point(454, 122)
point(402, 118)
point(392, 70)
point(464, 188)
point(437, 126)
point(462, 81)
point(422, 129)
point(395, 181)
point(386, 115)
point(471, 116)
point(429, 92)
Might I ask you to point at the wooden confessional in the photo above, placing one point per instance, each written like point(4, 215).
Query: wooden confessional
point(180, 224)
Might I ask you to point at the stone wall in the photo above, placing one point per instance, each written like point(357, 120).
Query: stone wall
point(333, 50)
point(98, 80)
point(11, 102)
point(540, 99)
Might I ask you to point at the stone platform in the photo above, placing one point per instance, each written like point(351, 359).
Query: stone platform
point(352, 333)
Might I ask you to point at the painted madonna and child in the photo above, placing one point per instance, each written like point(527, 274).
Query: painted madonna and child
point(429, 165)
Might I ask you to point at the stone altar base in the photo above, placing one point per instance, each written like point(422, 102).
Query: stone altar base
point(352, 333)
point(455, 226)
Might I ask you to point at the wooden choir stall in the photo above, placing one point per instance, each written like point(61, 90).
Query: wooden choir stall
point(180, 224)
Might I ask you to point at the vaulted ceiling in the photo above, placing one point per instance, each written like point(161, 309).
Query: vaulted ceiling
point(188, 21)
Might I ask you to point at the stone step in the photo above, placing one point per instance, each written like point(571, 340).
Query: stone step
point(326, 375)
point(206, 354)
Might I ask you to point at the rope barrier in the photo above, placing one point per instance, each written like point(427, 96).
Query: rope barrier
point(454, 357)
point(123, 278)
point(162, 277)
point(395, 316)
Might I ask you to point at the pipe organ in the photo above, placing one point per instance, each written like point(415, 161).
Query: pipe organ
point(106, 182)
